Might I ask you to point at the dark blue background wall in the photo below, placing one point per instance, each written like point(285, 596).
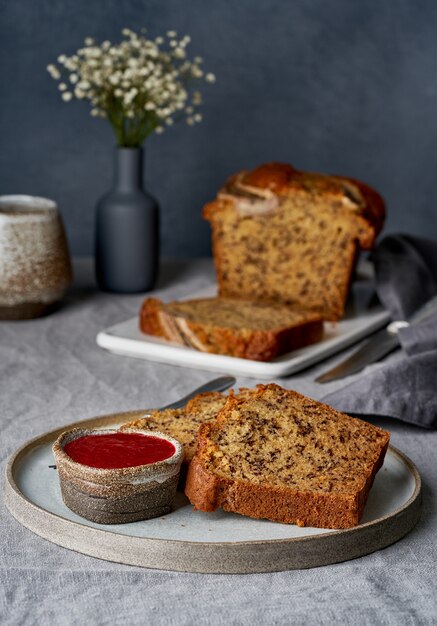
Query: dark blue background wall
point(343, 86)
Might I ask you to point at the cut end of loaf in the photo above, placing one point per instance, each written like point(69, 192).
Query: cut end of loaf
point(289, 236)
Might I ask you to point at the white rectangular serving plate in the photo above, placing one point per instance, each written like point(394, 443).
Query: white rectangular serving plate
point(126, 339)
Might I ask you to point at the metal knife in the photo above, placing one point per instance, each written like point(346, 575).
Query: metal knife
point(217, 384)
point(379, 345)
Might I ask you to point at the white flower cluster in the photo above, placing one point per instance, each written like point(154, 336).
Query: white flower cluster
point(139, 85)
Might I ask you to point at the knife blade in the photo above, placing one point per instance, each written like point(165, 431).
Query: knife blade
point(379, 345)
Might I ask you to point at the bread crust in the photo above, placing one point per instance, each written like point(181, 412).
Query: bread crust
point(283, 179)
point(149, 318)
point(208, 491)
point(257, 345)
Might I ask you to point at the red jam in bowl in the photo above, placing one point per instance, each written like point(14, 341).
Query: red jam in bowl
point(118, 450)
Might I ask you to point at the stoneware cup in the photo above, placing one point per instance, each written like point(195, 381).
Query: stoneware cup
point(35, 267)
point(116, 496)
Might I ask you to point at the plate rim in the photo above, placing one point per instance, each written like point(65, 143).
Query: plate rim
point(15, 498)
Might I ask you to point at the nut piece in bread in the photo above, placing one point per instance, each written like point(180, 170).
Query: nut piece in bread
point(275, 454)
point(289, 236)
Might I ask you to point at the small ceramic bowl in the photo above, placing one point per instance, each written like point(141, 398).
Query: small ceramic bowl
point(35, 266)
point(116, 496)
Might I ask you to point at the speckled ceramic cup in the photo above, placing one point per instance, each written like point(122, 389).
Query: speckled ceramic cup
point(35, 267)
point(116, 496)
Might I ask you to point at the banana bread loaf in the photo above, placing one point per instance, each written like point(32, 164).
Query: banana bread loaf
point(240, 328)
point(290, 236)
point(276, 454)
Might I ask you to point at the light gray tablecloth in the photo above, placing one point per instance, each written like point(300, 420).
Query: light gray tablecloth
point(52, 373)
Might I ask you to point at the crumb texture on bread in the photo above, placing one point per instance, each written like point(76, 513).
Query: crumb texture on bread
point(273, 453)
point(289, 236)
point(234, 327)
point(182, 424)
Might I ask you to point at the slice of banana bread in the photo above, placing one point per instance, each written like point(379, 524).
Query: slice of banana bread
point(291, 236)
point(240, 328)
point(182, 424)
point(278, 455)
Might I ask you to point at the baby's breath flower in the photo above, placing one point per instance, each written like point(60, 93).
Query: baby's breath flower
point(140, 85)
point(115, 78)
point(54, 72)
point(71, 65)
point(196, 72)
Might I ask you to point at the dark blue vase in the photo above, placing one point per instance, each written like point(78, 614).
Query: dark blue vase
point(127, 229)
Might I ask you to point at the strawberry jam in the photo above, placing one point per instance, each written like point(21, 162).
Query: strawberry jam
point(118, 450)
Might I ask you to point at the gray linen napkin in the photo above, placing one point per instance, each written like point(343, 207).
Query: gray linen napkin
point(405, 386)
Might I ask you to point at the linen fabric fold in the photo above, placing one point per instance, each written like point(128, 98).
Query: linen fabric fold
point(404, 386)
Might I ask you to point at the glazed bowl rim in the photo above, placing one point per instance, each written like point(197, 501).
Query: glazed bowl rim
point(74, 433)
point(28, 202)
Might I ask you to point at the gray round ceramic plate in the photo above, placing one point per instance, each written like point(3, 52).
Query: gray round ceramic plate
point(191, 541)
